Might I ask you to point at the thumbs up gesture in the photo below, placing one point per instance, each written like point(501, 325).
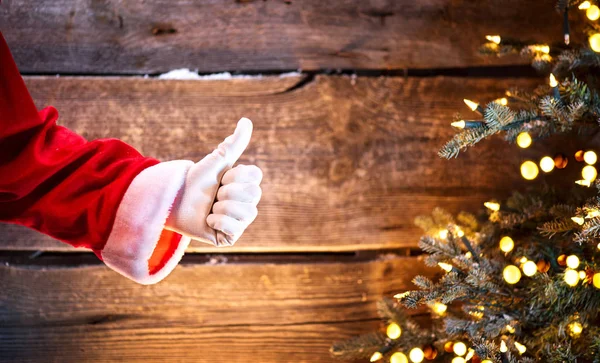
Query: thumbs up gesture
point(218, 202)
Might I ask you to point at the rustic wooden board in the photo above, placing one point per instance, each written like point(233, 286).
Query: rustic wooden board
point(200, 313)
point(348, 163)
point(117, 37)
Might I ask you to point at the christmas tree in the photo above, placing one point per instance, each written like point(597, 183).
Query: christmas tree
point(521, 281)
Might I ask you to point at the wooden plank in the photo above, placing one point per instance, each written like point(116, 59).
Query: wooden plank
point(348, 163)
point(139, 37)
point(200, 313)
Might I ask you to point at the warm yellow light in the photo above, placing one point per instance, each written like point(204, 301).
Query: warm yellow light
point(468, 255)
point(589, 173)
point(598, 246)
point(459, 348)
point(492, 206)
point(494, 38)
point(458, 360)
point(520, 347)
point(571, 277)
point(511, 274)
point(416, 355)
point(584, 5)
point(503, 347)
point(529, 268)
point(585, 183)
point(393, 331)
point(470, 354)
point(547, 164)
point(576, 328)
point(524, 140)
point(472, 105)
point(596, 280)
point(542, 48)
point(376, 356)
point(593, 12)
point(445, 266)
point(529, 170)
point(573, 261)
point(590, 157)
point(523, 259)
point(402, 295)
point(578, 220)
point(459, 124)
point(398, 357)
point(506, 244)
point(443, 234)
point(510, 329)
point(459, 232)
point(582, 275)
point(593, 213)
point(486, 361)
point(503, 101)
point(553, 82)
point(595, 42)
point(439, 308)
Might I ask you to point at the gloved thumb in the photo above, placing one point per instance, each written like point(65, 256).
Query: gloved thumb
point(230, 150)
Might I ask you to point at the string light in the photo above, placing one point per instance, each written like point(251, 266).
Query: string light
point(595, 42)
point(486, 361)
point(590, 157)
point(468, 254)
point(458, 360)
point(529, 268)
point(524, 140)
point(445, 266)
point(459, 232)
point(492, 206)
point(376, 356)
point(510, 329)
point(506, 244)
point(547, 164)
point(553, 82)
point(593, 213)
point(571, 277)
point(573, 261)
point(443, 234)
point(503, 101)
point(439, 308)
point(511, 274)
point(596, 280)
point(584, 5)
point(459, 348)
point(593, 12)
point(494, 38)
point(529, 170)
point(543, 48)
point(459, 124)
point(470, 354)
point(503, 347)
point(598, 246)
point(585, 183)
point(393, 331)
point(575, 328)
point(578, 220)
point(416, 355)
point(589, 173)
point(402, 295)
point(398, 357)
point(520, 347)
point(582, 275)
point(523, 259)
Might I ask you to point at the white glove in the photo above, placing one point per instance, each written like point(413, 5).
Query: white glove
point(237, 191)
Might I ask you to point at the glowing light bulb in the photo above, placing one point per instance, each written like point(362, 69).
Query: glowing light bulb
point(445, 266)
point(593, 213)
point(524, 140)
point(571, 277)
point(523, 259)
point(529, 170)
point(520, 347)
point(459, 348)
point(590, 157)
point(506, 244)
point(511, 274)
point(582, 275)
point(547, 164)
point(573, 261)
point(595, 42)
point(585, 183)
point(494, 38)
point(584, 5)
point(596, 280)
point(553, 82)
point(542, 48)
point(458, 360)
point(459, 232)
point(468, 255)
point(402, 295)
point(443, 234)
point(503, 101)
point(589, 173)
point(376, 356)
point(593, 13)
point(398, 357)
point(529, 268)
point(393, 331)
point(510, 329)
point(492, 206)
point(470, 354)
point(503, 347)
point(416, 355)
point(578, 220)
point(576, 328)
point(472, 105)
point(459, 124)
point(486, 361)
point(439, 308)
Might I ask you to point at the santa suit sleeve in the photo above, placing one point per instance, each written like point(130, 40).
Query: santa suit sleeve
point(99, 194)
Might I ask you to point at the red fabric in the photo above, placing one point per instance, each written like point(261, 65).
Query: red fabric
point(52, 179)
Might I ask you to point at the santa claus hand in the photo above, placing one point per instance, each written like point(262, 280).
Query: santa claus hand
point(193, 213)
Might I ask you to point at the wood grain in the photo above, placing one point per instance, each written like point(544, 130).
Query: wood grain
point(200, 313)
point(138, 37)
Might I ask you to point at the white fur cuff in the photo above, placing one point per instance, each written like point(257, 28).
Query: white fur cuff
point(138, 246)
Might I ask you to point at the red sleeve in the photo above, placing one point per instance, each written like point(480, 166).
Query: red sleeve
point(81, 192)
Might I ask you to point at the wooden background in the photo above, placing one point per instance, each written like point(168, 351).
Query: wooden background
point(349, 162)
